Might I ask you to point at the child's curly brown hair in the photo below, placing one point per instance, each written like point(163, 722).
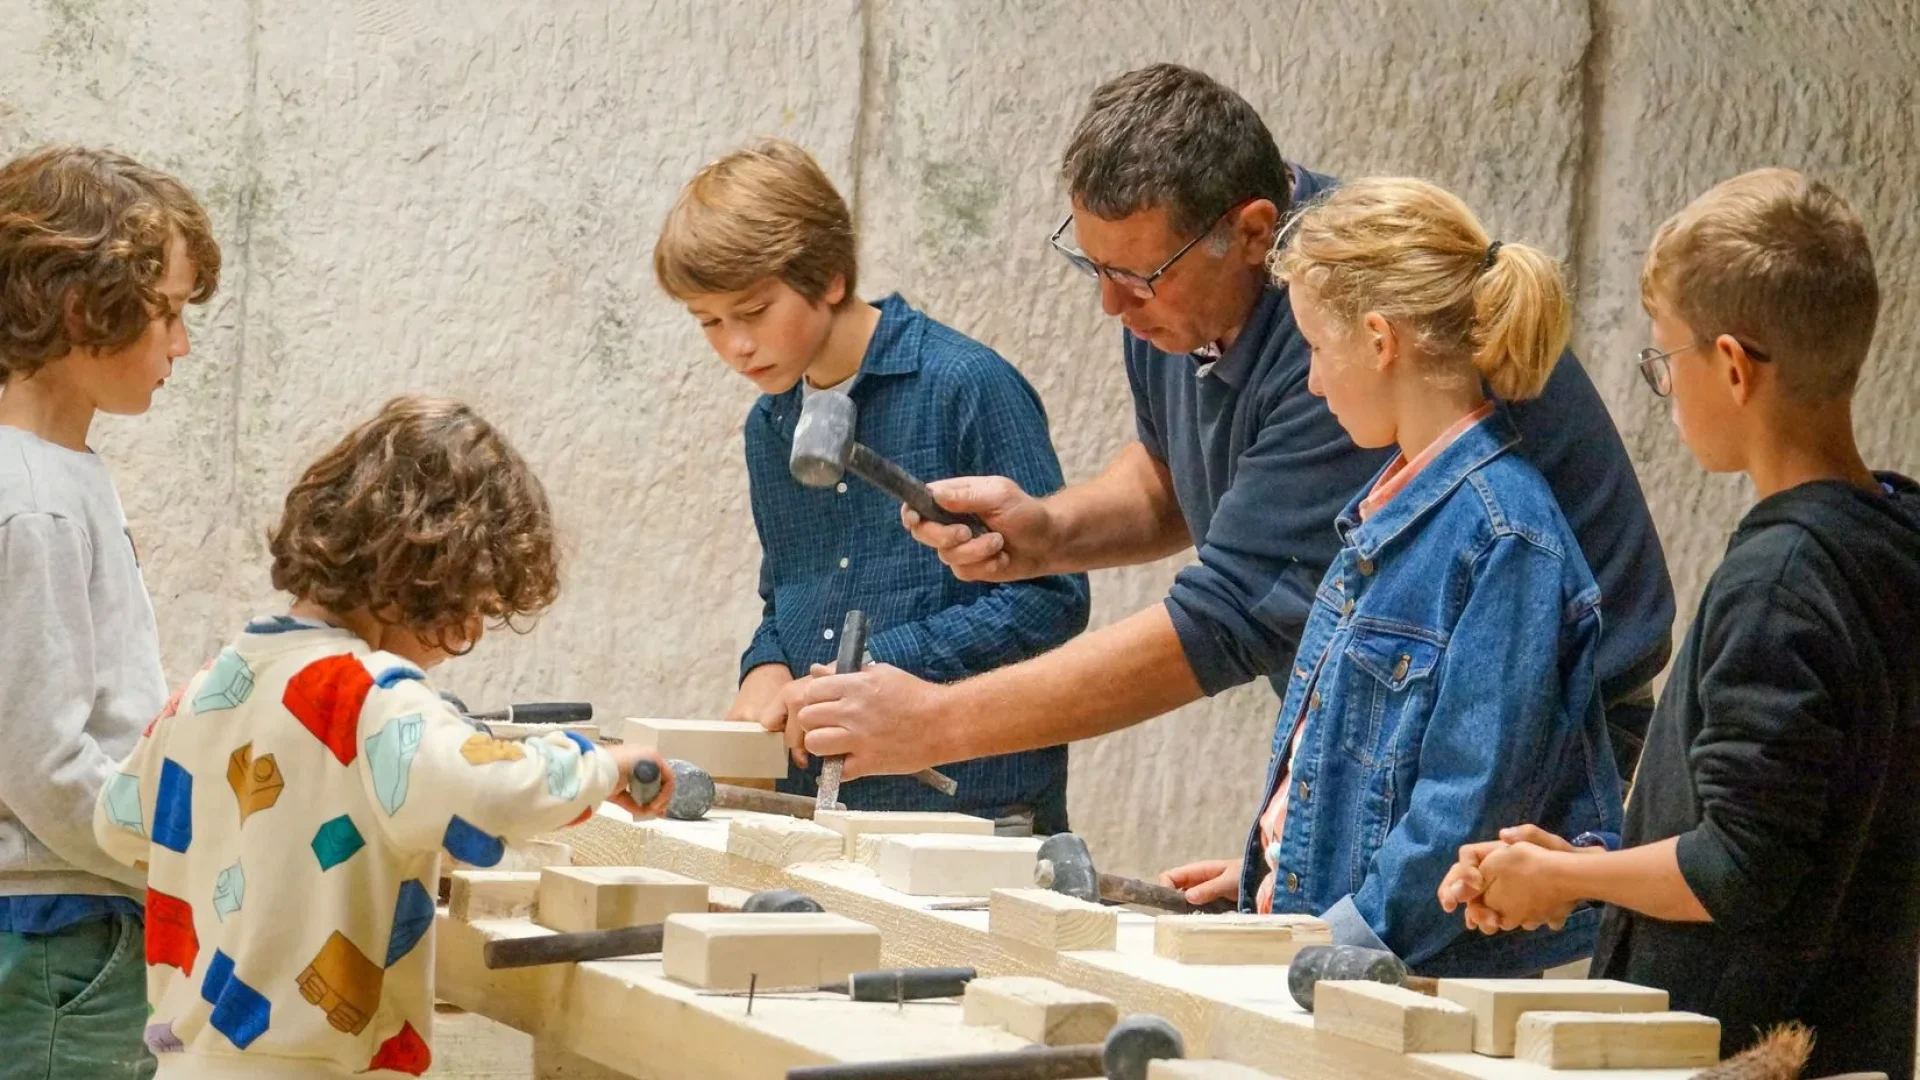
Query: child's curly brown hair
point(83, 246)
point(424, 517)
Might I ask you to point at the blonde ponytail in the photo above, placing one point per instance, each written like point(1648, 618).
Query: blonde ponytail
point(1417, 255)
point(1520, 321)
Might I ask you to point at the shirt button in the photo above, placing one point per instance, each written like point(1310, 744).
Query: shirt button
point(1293, 882)
point(1313, 699)
point(841, 487)
point(828, 634)
point(1273, 853)
point(843, 564)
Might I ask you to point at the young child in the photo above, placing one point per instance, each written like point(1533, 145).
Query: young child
point(1771, 860)
point(98, 258)
point(1446, 675)
point(760, 249)
point(293, 799)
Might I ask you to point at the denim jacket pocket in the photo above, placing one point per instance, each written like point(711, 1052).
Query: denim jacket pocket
point(1391, 681)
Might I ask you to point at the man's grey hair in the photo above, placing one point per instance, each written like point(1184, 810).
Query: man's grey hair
point(1171, 137)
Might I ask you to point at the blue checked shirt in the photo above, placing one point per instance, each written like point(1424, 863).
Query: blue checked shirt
point(940, 404)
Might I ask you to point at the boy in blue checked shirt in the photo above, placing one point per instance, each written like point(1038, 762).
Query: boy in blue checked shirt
point(760, 248)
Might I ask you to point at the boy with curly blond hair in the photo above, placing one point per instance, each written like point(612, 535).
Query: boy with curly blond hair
point(293, 799)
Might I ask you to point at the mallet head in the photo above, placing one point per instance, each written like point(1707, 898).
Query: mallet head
point(692, 791)
point(823, 439)
point(1064, 865)
point(1137, 1040)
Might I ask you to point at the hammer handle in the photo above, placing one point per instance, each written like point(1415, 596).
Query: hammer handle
point(1133, 891)
point(1037, 1063)
point(573, 948)
point(904, 486)
point(730, 797)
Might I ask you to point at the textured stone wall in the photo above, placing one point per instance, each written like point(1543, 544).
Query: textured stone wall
point(461, 198)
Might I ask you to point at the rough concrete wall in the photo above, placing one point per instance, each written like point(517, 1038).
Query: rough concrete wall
point(462, 198)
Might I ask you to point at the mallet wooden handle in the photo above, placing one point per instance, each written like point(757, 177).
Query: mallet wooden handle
point(1134, 891)
point(1038, 1063)
point(573, 948)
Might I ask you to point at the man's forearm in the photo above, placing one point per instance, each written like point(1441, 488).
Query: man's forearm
point(1126, 516)
point(1646, 879)
point(1099, 682)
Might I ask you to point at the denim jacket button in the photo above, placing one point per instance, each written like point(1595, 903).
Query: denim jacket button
point(1366, 567)
point(1348, 610)
point(1400, 668)
point(1303, 791)
point(1293, 882)
point(1313, 700)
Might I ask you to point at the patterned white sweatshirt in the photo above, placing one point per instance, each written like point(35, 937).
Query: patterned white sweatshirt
point(291, 802)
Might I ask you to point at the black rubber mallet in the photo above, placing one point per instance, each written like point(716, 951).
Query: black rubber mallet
point(824, 450)
point(579, 946)
point(695, 793)
point(1066, 866)
point(1133, 1042)
point(1316, 963)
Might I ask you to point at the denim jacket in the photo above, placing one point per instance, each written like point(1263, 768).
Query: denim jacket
point(1447, 678)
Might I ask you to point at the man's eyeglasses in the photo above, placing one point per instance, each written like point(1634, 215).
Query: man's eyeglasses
point(1140, 287)
point(1657, 367)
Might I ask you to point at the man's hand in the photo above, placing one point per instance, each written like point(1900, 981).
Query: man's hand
point(884, 720)
point(1520, 888)
point(1018, 544)
point(1205, 881)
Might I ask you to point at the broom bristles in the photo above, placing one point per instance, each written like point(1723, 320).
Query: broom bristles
point(1779, 1056)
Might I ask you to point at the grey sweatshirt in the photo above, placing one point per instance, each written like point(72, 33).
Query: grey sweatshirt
point(80, 669)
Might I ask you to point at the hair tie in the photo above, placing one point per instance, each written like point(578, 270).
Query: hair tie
point(1493, 252)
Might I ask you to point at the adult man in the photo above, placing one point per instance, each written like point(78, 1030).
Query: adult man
point(1178, 190)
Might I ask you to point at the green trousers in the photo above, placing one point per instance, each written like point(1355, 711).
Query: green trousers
point(73, 1005)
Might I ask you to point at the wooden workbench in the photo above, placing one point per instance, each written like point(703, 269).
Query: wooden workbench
point(1235, 1013)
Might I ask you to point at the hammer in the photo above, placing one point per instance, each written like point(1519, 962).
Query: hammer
point(824, 449)
point(582, 945)
point(1066, 866)
point(1129, 1046)
point(695, 793)
point(1352, 962)
point(853, 646)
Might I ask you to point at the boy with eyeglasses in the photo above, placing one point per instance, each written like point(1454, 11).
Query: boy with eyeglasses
point(1771, 867)
point(760, 248)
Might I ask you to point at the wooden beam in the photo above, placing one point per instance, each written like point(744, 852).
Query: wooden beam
point(605, 897)
point(783, 841)
point(1047, 920)
point(1203, 1070)
point(1236, 939)
point(855, 824)
point(733, 952)
point(1392, 1017)
point(1498, 1003)
point(1587, 1040)
point(946, 865)
point(624, 1015)
point(728, 748)
point(491, 894)
point(1040, 1010)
